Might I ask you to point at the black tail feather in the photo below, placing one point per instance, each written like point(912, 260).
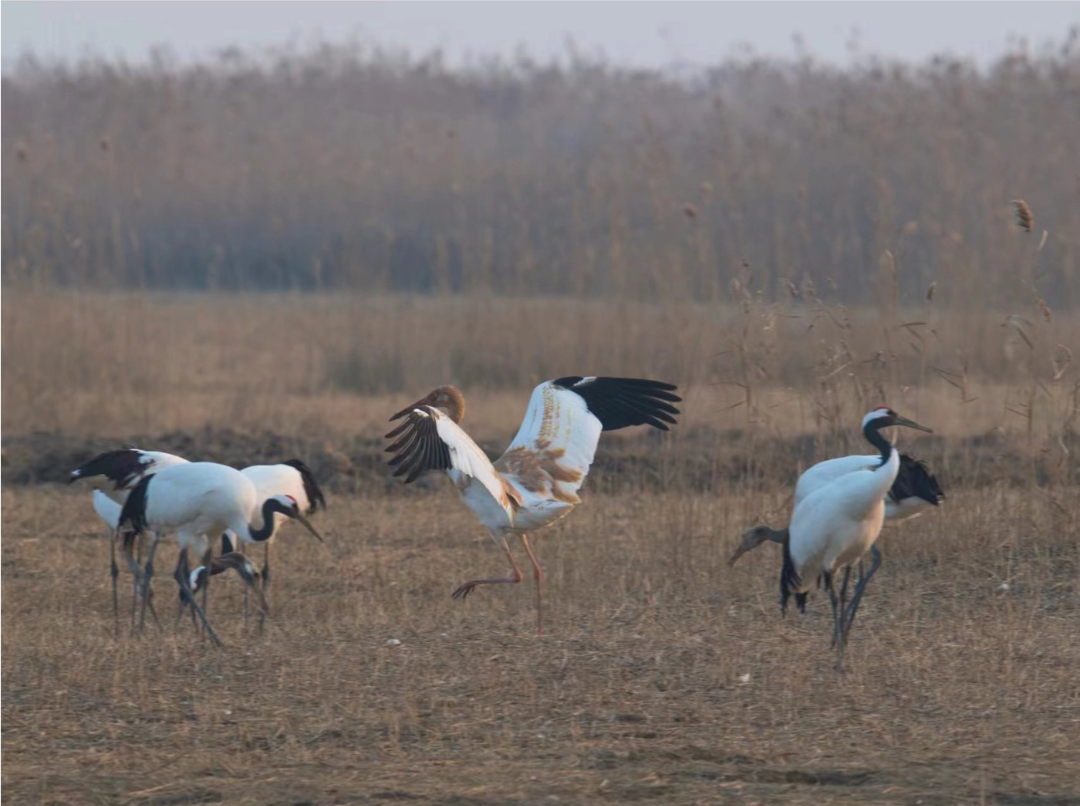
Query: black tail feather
point(914, 480)
point(311, 487)
point(121, 467)
point(789, 580)
point(134, 510)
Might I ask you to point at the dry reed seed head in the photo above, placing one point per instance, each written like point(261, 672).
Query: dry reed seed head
point(792, 289)
point(1045, 310)
point(1024, 217)
point(887, 263)
point(910, 228)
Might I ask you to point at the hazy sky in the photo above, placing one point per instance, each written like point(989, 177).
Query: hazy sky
point(644, 34)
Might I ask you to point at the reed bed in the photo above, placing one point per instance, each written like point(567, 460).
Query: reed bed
point(266, 256)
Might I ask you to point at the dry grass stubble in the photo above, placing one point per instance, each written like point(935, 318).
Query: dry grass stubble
point(958, 692)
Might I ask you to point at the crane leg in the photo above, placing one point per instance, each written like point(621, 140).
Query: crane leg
point(114, 572)
point(265, 609)
point(182, 568)
point(538, 575)
point(206, 561)
point(131, 541)
point(148, 574)
point(189, 596)
point(838, 624)
point(875, 563)
point(137, 585)
point(833, 602)
point(466, 588)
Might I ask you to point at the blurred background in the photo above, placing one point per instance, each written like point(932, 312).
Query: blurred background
point(292, 216)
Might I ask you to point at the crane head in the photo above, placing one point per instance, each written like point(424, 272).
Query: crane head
point(754, 537)
point(288, 506)
point(883, 417)
point(446, 398)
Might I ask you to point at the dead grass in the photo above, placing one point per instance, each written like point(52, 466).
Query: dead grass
point(123, 364)
point(959, 691)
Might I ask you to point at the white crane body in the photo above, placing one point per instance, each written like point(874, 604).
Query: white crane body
point(536, 480)
point(837, 523)
point(198, 501)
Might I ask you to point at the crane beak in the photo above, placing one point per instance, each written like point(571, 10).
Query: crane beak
point(239, 563)
point(735, 555)
point(408, 409)
point(904, 421)
point(307, 525)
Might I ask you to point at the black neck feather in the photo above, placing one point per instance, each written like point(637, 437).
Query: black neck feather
point(873, 435)
point(264, 532)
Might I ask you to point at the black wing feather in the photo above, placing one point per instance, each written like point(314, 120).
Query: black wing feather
point(134, 509)
point(914, 480)
point(622, 402)
point(789, 579)
point(311, 487)
point(420, 447)
point(121, 467)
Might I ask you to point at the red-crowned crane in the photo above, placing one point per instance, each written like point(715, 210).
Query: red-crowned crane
point(113, 474)
point(836, 524)
point(914, 492)
point(292, 478)
point(199, 501)
point(536, 481)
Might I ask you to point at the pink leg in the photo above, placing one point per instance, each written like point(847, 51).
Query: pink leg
point(466, 588)
point(539, 576)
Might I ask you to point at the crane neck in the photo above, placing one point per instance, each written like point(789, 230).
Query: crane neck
point(266, 531)
point(873, 435)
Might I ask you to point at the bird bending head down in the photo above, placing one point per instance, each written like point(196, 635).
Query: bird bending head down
point(445, 398)
point(754, 537)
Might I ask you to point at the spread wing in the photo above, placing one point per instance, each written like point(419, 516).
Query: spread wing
point(430, 440)
point(555, 446)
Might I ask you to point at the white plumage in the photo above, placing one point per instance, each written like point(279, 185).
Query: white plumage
point(117, 472)
point(897, 508)
point(114, 474)
point(108, 510)
point(914, 490)
point(536, 481)
point(199, 501)
point(836, 524)
point(292, 478)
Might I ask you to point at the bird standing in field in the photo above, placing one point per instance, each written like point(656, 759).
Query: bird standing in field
point(836, 524)
point(536, 481)
point(114, 474)
point(199, 501)
point(914, 491)
point(292, 478)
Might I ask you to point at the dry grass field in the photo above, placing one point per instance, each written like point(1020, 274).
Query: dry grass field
point(666, 676)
